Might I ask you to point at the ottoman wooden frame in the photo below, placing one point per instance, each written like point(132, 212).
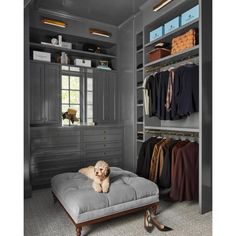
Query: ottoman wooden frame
point(151, 207)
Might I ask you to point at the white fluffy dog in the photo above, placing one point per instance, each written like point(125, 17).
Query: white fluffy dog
point(100, 176)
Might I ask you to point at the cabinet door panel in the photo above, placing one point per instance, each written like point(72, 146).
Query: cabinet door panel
point(52, 94)
point(105, 96)
point(37, 113)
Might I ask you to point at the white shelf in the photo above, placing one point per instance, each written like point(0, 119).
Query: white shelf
point(140, 140)
point(139, 105)
point(176, 57)
point(140, 123)
point(140, 87)
point(196, 130)
point(139, 51)
point(140, 69)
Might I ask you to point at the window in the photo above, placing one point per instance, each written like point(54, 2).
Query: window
point(89, 115)
point(77, 94)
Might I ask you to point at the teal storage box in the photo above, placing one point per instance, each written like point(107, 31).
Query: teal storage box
point(190, 15)
point(156, 33)
point(172, 25)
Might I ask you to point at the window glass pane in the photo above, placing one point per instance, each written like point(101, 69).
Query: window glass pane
point(74, 97)
point(65, 67)
point(64, 108)
point(73, 68)
point(65, 82)
point(90, 84)
point(77, 108)
point(65, 122)
point(89, 98)
point(74, 82)
point(89, 111)
point(90, 120)
point(65, 96)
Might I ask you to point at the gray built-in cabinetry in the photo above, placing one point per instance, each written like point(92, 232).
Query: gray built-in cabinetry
point(56, 150)
point(105, 96)
point(44, 93)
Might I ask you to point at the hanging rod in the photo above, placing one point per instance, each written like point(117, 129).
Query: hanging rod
point(193, 59)
point(177, 133)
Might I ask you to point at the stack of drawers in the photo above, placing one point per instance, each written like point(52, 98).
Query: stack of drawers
point(53, 151)
point(103, 144)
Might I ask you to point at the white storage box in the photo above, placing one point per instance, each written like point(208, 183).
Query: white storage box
point(42, 56)
point(66, 45)
point(82, 62)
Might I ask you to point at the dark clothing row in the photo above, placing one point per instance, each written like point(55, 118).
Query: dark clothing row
point(171, 164)
point(174, 94)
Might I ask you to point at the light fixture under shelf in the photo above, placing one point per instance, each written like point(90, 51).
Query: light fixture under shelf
point(100, 32)
point(161, 4)
point(56, 23)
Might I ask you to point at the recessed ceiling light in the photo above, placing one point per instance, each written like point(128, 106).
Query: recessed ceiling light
point(161, 4)
point(100, 32)
point(54, 23)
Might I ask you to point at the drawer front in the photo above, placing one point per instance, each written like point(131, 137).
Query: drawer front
point(103, 138)
point(111, 160)
point(103, 131)
point(47, 158)
point(103, 146)
point(104, 153)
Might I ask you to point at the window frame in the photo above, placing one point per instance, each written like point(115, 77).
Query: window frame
point(83, 74)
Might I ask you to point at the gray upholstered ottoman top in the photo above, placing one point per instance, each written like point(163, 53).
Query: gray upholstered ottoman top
point(127, 191)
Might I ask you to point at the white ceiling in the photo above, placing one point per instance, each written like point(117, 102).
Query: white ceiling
point(113, 12)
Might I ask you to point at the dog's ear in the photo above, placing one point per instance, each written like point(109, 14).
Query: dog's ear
point(107, 171)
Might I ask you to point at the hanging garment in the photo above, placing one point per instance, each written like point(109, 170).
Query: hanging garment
point(185, 182)
point(162, 112)
point(145, 97)
point(185, 99)
point(144, 157)
point(174, 184)
point(152, 86)
point(164, 179)
point(170, 90)
point(157, 159)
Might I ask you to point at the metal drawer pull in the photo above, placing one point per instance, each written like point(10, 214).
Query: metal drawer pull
point(104, 137)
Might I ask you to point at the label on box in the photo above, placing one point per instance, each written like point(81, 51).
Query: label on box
point(172, 25)
point(157, 33)
point(82, 62)
point(190, 15)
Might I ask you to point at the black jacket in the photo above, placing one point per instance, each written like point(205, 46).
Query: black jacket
point(186, 91)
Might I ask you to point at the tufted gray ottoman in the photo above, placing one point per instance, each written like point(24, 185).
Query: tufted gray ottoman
point(128, 193)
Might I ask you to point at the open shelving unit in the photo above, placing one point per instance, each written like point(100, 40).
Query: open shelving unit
point(139, 55)
point(108, 50)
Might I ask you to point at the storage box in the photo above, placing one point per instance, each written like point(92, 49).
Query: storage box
point(42, 56)
point(190, 15)
point(156, 33)
point(172, 25)
point(82, 62)
point(184, 41)
point(66, 45)
point(158, 53)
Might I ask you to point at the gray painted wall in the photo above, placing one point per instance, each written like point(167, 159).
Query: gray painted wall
point(27, 186)
point(126, 88)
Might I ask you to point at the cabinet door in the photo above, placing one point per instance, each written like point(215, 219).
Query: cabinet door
point(110, 103)
point(104, 96)
point(37, 109)
point(52, 94)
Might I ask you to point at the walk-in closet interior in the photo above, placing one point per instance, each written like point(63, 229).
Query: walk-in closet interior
point(129, 86)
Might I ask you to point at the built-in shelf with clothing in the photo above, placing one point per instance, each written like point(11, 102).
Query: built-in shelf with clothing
point(154, 125)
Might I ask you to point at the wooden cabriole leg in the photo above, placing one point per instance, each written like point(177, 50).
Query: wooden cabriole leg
point(78, 230)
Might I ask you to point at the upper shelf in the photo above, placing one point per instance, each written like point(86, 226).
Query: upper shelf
point(71, 51)
point(176, 57)
point(174, 33)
